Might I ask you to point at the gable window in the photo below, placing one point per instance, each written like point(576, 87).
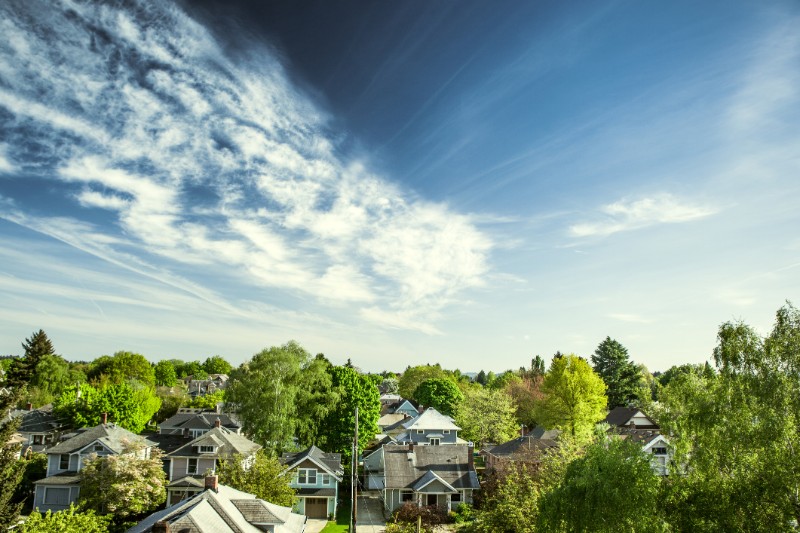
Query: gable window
point(307, 476)
point(207, 449)
point(63, 462)
point(659, 451)
point(99, 448)
point(192, 468)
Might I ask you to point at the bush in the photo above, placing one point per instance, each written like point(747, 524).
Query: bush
point(432, 516)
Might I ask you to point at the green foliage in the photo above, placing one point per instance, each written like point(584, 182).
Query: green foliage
point(525, 393)
point(440, 393)
point(35, 468)
point(172, 398)
point(22, 369)
point(165, 375)
point(486, 415)
point(121, 367)
point(413, 376)
point(11, 469)
point(69, 521)
point(217, 365)
point(621, 376)
point(352, 390)
point(208, 401)
point(512, 506)
point(611, 488)
point(736, 434)
point(409, 514)
point(130, 405)
point(125, 485)
point(390, 386)
point(270, 394)
point(481, 378)
point(263, 477)
point(192, 368)
point(50, 378)
point(574, 397)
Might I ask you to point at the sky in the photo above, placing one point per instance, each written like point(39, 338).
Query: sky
point(397, 183)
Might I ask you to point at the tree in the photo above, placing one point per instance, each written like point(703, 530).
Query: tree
point(262, 477)
point(36, 347)
point(192, 368)
point(525, 393)
point(165, 375)
point(121, 367)
point(128, 484)
point(486, 415)
point(611, 488)
point(352, 390)
point(412, 377)
point(208, 401)
point(621, 376)
point(537, 366)
point(50, 378)
point(574, 397)
point(131, 405)
point(481, 378)
point(512, 505)
point(265, 392)
point(171, 400)
point(11, 469)
point(69, 521)
point(736, 434)
point(440, 393)
point(217, 365)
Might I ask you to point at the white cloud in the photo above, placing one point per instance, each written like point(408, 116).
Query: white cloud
point(627, 214)
point(5, 165)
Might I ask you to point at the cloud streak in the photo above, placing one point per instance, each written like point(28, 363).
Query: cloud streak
point(207, 161)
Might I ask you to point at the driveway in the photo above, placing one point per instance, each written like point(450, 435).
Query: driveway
point(370, 513)
point(315, 525)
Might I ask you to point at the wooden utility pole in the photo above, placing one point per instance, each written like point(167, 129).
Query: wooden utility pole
point(354, 479)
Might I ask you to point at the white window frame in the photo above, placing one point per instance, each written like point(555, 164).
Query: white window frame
point(420, 431)
point(326, 479)
point(446, 432)
point(661, 450)
point(206, 449)
point(406, 496)
point(189, 469)
point(304, 476)
point(61, 461)
point(434, 441)
point(48, 501)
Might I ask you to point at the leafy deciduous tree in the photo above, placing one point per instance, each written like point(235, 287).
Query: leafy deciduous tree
point(526, 393)
point(486, 415)
point(412, 377)
point(262, 477)
point(11, 469)
point(440, 393)
point(217, 365)
point(352, 390)
point(69, 521)
point(512, 505)
point(165, 375)
point(121, 367)
point(131, 405)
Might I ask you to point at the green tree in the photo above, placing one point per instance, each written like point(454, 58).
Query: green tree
point(165, 375)
point(131, 405)
point(736, 434)
point(486, 415)
point(172, 398)
point(390, 385)
point(192, 368)
point(209, 401)
point(217, 365)
point(526, 393)
point(621, 376)
point(574, 397)
point(440, 393)
point(11, 469)
point(121, 367)
point(35, 466)
point(512, 504)
point(21, 370)
point(69, 521)
point(352, 390)
point(481, 378)
point(264, 477)
point(265, 392)
point(128, 484)
point(52, 376)
point(611, 488)
point(412, 377)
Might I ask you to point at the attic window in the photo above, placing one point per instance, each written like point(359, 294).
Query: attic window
point(99, 448)
point(207, 449)
point(659, 451)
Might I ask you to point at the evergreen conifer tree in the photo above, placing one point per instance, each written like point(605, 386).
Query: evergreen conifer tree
point(622, 378)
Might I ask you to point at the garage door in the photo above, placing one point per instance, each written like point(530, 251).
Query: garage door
point(317, 507)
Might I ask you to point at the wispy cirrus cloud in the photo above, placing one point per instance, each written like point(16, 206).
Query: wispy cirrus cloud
point(206, 160)
point(630, 214)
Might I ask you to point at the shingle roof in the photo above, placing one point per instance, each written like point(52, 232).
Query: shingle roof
point(226, 441)
point(431, 419)
point(522, 446)
point(403, 468)
point(39, 420)
point(112, 436)
point(223, 511)
point(621, 416)
point(201, 420)
point(64, 478)
point(331, 461)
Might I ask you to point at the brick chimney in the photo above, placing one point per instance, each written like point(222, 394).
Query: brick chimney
point(217, 423)
point(161, 526)
point(29, 407)
point(212, 482)
point(410, 446)
point(105, 418)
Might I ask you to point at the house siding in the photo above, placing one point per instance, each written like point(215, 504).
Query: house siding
point(72, 492)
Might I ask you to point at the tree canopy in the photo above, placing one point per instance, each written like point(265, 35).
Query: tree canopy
point(440, 393)
point(486, 415)
point(11, 469)
point(217, 364)
point(352, 390)
point(622, 377)
point(22, 369)
point(121, 367)
point(574, 397)
point(131, 405)
point(164, 373)
point(262, 477)
point(71, 520)
point(412, 377)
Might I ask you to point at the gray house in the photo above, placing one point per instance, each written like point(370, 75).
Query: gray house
point(65, 460)
point(443, 476)
point(431, 428)
point(192, 423)
point(189, 463)
point(315, 476)
point(38, 427)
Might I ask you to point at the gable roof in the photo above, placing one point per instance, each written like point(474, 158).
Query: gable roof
point(199, 420)
point(521, 447)
point(226, 441)
point(39, 420)
point(405, 468)
point(623, 416)
point(431, 419)
point(224, 510)
point(111, 436)
point(330, 462)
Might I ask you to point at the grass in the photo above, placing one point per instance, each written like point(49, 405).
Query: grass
point(342, 523)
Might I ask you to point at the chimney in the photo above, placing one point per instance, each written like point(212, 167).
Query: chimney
point(212, 482)
point(161, 526)
point(29, 407)
point(410, 446)
point(471, 456)
point(217, 423)
point(105, 418)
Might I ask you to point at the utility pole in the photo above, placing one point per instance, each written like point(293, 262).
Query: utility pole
point(354, 479)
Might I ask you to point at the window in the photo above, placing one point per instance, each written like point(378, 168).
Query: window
point(37, 439)
point(326, 479)
point(659, 451)
point(63, 462)
point(433, 441)
point(99, 448)
point(56, 496)
point(455, 497)
point(207, 449)
point(197, 432)
point(192, 469)
point(406, 496)
point(433, 499)
point(420, 431)
point(307, 476)
point(446, 432)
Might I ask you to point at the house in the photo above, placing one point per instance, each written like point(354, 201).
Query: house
point(431, 428)
point(65, 460)
point(192, 422)
point(222, 509)
point(189, 464)
point(209, 385)
point(38, 427)
point(633, 424)
point(528, 448)
point(443, 476)
point(315, 476)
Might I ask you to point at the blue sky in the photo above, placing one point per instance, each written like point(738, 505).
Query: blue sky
point(470, 183)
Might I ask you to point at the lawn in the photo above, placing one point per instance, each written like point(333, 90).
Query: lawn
point(342, 523)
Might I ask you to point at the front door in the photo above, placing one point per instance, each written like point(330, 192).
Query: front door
point(432, 499)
